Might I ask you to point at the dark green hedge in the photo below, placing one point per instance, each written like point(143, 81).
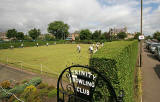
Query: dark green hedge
point(117, 60)
point(17, 44)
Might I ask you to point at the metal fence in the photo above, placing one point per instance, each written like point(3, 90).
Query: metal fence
point(22, 65)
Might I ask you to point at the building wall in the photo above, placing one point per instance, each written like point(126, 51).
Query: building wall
point(115, 31)
point(73, 36)
point(3, 36)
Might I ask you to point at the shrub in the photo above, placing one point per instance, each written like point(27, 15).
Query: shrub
point(5, 84)
point(24, 81)
point(20, 88)
point(42, 85)
point(31, 94)
point(17, 83)
point(116, 61)
point(51, 87)
point(11, 99)
point(43, 92)
point(52, 93)
point(29, 90)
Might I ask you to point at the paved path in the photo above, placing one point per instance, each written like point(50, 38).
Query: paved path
point(151, 78)
point(7, 73)
point(11, 73)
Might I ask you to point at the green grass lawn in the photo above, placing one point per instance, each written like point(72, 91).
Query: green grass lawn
point(53, 58)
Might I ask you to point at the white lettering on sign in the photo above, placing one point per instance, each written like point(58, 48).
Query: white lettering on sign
point(83, 91)
point(83, 73)
point(82, 81)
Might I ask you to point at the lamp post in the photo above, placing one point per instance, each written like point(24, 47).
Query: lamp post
point(141, 33)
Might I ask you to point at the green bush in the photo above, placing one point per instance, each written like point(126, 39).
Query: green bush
point(29, 90)
point(20, 88)
point(24, 81)
point(43, 92)
point(51, 87)
point(116, 61)
point(30, 94)
point(17, 44)
point(42, 85)
point(52, 93)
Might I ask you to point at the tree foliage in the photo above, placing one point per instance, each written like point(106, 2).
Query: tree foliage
point(121, 35)
point(107, 35)
point(85, 34)
point(96, 35)
point(34, 33)
point(11, 33)
point(137, 35)
point(27, 37)
point(49, 37)
point(156, 35)
point(102, 37)
point(20, 36)
point(148, 37)
point(59, 29)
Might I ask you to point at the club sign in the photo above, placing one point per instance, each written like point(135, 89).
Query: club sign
point(84, 80)
point(79, 83)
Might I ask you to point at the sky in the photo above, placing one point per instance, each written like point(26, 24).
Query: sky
point(24, 15)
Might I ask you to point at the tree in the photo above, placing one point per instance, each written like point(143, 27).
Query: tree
point(102, 37)
point(27, 37)
point(148, 37)
point(158, 38)
point(121, 35)
point(107, 35)
point(20, 36)
point(96, 35)
point(34, 33)
point(85, 34)
point(49, 37)
point(11, 33)
point(59, 29)
point(136, 36)
point(156, 35)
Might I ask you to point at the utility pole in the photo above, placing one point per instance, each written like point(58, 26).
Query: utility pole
point(141, 33)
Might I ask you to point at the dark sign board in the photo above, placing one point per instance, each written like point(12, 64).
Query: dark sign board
point(83, 85)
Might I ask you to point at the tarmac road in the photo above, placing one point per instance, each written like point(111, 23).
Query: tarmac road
point(151, 77)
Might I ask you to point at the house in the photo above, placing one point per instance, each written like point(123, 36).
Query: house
point(115, 31)
point(3, 36)
point(72, 36)
point(130, 36)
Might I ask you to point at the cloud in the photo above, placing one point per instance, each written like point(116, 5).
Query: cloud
point(151, 1)
point(151, 21)
point(79, 14)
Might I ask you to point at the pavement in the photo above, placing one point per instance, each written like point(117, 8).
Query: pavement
point(151, 77)
point(7, 73)
point(12, 73)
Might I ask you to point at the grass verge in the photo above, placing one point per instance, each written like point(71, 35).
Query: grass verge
point(138, 85)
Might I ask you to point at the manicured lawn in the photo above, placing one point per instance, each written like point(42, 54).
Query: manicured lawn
point(53, 58)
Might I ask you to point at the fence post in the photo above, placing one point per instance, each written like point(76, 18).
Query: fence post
point(41, 68)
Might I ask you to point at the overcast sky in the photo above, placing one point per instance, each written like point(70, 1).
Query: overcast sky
point(79, 14)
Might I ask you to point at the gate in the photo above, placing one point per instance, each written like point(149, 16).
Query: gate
point(79, 83)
